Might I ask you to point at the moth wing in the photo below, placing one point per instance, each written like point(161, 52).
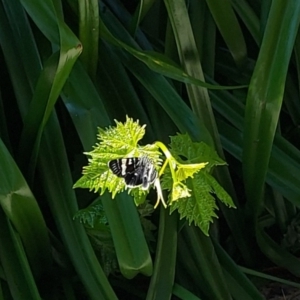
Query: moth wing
point(133, 179)
point(149, 175)
point(135, 171)
point(122, 166)
point(115, 166)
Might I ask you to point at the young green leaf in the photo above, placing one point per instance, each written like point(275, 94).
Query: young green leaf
point(194, 185)
point(92, 216)
point(184, 173)
point(120, 141)
point(186, 151)
point(199, 207)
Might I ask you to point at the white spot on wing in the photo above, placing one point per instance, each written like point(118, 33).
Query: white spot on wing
point(123, 166)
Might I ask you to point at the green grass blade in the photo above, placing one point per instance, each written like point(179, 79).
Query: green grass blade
point(44, 15)
point(85, 106)
point(276, 253)
point(282, 173)
point(48, 92)
point(1, 292)
point(265, 97)
point(57, 183)
point(160, 89)
point(125, 99)
point(48, 89)
point(229, 28)
point(21, 31)
point(169, 100)
point(250, 19)
point(199, 97)
point(23, 212)
point(269, 277)
point(159, 62)
point(45, 96)
point(4, 135)
point(162, 281)
point(15, 60)
point(183, 293)
point(132, 251)
point(212, 280)
point(14, 262)
point(238, 283)
point(237, 291)
point(292, 92)
point(190, 61)
point(89, 34)
point(204, 29)
point(139, 14)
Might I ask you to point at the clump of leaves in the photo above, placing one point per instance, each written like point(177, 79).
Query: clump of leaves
point(96, 225)
point(291, 240)
point(95, 222)
point(183, 170)
point(196, 201)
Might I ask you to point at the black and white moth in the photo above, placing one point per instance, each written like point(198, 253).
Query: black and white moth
point(136, 171)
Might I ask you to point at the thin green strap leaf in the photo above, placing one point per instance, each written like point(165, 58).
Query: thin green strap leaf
point(21, 208)
point(47, 92)
point(199, 97)
point(167, 97)
point(159, 62)
point(183, 293)
point(85, 106)
point(238, 280)
point(139, 14)
point(14, 262)
point(269, 277)
point(160, 88)
point(89, 34)
point(248, 16)
point(132, 250)
point(4, 135)
point(1, 287)
point(277, 254)
point(124, 100)
point(229, 28)
point(265, 96)
point(292, 104)
point(15, 55)
point(21, 30)
point(136, 18)
point(204, 259)
point(236, 289)
point(282, 173)
point(204, 29)
point(43, 14)
point(57, 182)
point(292, 93)
point(162, 280)
point(190, 61)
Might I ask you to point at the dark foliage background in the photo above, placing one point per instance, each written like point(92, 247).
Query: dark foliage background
point(68, 67)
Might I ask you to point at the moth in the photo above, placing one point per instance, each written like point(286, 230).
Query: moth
point(136, 171)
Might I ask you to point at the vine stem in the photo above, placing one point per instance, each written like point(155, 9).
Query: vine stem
point(168, 160)
point(173, 163)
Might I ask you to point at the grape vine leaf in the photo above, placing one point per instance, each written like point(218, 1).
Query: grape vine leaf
point(115, 142)
point(195, 199)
